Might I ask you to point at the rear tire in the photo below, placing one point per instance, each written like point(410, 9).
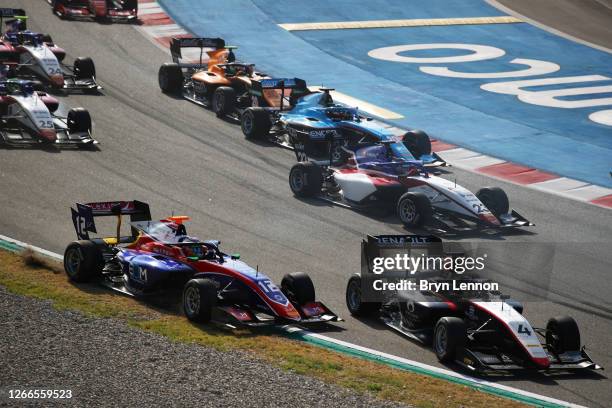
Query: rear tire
point(305, 179)
point(255, 123)
point(495, 199)
point(449, 337)
point(130, 4)
point(84, 68)
point(46, 38)
point(83, 261)
point(224, 101)
point(354, 302)
point(417, 142)
point(170, 78)
point(199, 300)
point(562, 334)
point(414, 209)
point(78, 120)
point(298, 288)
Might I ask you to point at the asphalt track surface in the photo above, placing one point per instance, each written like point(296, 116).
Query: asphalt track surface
point(180, 158)
point(588, 20)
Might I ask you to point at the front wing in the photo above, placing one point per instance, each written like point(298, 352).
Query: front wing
point(489, 361)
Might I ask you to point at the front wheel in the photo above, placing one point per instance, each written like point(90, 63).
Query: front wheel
point(78, 120)
point(298, 288)
point(414, 209)
point(449, 337)
point(495, 199)
point(562, 334)
point(199, 300)
point(83, 261)
point(84, 68)
point(417, 142)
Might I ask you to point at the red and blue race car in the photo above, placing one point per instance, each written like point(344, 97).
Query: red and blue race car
point(159, 256)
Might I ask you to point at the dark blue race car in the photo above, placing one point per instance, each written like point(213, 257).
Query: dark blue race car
point(285, 112)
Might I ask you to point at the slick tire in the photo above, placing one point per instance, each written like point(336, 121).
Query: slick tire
point(414, 209)
point(84, 68)
point(562, 334)
point(170, 78)
point(495, 199)
point(130, 4)
point(78, 120)
point(298, 288)
point(199, 300)
point(417, 142)
point(224, 101)
point(55, 4)
point(449, 338)
point(305, 179)
point(354, 300)
point(83, 261)
point(255, 123)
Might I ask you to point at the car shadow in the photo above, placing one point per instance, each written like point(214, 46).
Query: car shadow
point(388, 217)
point(539, 377)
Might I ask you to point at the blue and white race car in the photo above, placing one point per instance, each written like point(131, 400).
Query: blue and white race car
point(285, 110)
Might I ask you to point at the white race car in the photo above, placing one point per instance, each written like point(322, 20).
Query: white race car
point(28, 117)
point(385, 174)
point(35, 56)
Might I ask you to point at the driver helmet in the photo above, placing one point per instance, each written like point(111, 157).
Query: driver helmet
point(340, 114)
point(12, 26)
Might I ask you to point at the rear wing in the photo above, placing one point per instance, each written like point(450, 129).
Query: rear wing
point(83, 217)
point(178, 43)
point(18, 14)
point(296, 84)
point(377, 247)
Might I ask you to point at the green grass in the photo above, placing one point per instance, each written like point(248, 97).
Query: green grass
point(41, 278)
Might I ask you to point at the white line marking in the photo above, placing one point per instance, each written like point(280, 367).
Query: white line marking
point(33, 248)
point(149, 8)
point(578, 190)
point(417, 22)
point(544, 27)
point(165, 30)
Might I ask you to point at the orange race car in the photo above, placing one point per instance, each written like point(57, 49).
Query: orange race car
point(219, 82)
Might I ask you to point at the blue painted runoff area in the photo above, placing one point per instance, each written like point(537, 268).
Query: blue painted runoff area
point(456, 110)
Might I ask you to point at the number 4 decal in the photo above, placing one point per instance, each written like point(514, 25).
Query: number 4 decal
point(523, 330)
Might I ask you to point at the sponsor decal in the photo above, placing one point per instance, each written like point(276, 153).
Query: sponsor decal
point(323, 134)
point(548, 97)
point(138, 273)
point(105, 207)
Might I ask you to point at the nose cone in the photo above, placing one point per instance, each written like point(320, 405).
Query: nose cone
point(48, 134)
point(489, 218)
point(291, 313)
point(541, 362)
point(57, 80)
